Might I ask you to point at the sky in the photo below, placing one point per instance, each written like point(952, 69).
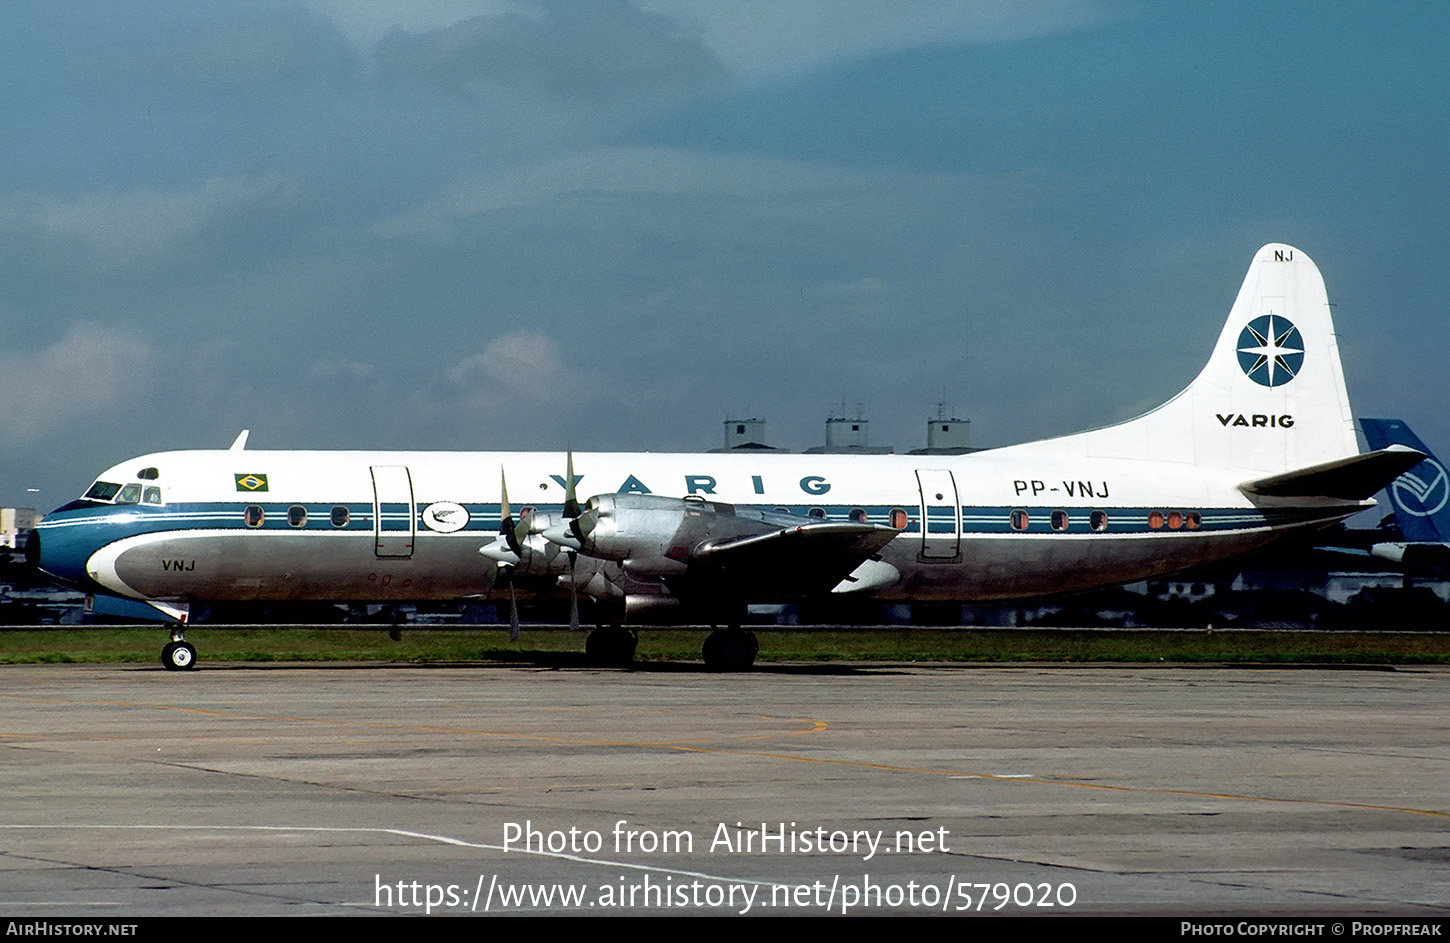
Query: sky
point(613, 224)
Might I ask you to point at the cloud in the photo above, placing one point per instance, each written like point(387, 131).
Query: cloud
point(590, 52)
point(341, 370)
point(757, 42)
point(525, 363)
point(265, 49)
point(767, 40)
point(92, 373)
point(365, 22)
point(631, 171)
point(148, 228)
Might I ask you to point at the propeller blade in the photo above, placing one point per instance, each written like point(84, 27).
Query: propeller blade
point(580, 519)
point(573, 595)
point(506, 572)
point(571, 496)
point(506, 527)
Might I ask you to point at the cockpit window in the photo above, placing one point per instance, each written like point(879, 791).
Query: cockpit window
point(102, 491)
point(148, 474)
point(133, 493)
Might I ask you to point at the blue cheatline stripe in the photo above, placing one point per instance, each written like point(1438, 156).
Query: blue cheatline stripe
point(484, 518)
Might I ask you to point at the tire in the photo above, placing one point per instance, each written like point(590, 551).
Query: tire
point(178, 656)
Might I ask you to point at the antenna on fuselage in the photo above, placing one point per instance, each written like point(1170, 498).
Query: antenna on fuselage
point(241, 441)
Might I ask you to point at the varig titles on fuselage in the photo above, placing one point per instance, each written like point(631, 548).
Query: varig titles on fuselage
point(706, 484)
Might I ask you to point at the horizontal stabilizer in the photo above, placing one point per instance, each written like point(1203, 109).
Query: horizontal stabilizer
point(1355, 478)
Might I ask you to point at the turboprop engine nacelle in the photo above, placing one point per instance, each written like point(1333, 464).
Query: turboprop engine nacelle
point(656, 535)
point(648, 534)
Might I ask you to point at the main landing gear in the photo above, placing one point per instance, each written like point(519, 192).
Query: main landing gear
point(730, 649)
point(612, 645)
point(178, 654)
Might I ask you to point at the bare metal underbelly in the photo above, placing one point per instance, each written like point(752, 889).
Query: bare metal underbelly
point(237, 566)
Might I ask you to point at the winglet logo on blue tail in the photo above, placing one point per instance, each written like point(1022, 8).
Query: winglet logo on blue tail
point(1426, 485)
point(1420, 495)
point(1271, 350)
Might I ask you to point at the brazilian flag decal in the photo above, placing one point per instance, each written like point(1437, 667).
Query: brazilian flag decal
point(251, 482)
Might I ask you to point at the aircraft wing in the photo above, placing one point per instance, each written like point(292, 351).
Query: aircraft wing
point(792, 561)
point(1355, 478)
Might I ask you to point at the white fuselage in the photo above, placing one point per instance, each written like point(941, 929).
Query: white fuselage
point(408, 526)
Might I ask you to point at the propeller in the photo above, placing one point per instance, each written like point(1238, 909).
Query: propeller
point(571, 496)
point(511, 538)
point(571, 514)
point(513, 609)
point(573, 594)
point(578, 520)
point(506, 516)
point(508, 548)
point(511, 552)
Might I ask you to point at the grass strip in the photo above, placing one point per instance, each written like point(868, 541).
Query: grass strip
point(558, 647)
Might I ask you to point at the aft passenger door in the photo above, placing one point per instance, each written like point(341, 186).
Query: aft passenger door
point(941, 514)
point(394, 513)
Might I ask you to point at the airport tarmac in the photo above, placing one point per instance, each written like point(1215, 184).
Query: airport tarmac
point(350, 790)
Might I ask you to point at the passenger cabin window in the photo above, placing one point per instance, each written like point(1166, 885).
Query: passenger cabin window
point(297, 516)
point(1098, 520)
point(1155, 520)
point(339, 516)
point(899, 518)
point(1019, 520)
point(1059, 520)
point(1193, 520)
point(817, 512)
point(253, 515)
point(858, 515)
point(1175, 520)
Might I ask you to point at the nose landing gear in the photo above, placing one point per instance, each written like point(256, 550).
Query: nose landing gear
point(178, 654)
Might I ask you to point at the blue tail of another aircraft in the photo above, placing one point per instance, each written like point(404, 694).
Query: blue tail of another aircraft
point(1421, 496)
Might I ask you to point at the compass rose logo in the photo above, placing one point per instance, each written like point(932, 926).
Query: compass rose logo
point(1271, 350)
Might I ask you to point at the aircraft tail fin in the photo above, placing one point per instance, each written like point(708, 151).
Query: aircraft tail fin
point(1272, 397)
point(1421, 496)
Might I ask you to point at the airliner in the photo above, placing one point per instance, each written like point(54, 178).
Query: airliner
point(1260, 445)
